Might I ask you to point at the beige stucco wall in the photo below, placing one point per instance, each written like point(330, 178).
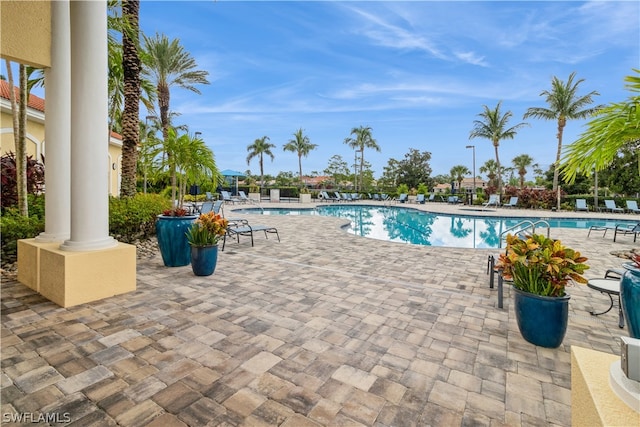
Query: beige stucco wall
point(35, 136)
point(25, 31)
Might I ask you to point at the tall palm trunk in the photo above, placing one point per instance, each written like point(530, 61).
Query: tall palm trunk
point(495, 147)
point(562, 122)
point(130, 115)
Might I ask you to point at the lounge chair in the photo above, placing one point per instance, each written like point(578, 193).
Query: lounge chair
point(243, 196)
point(581, 205)
point(226, 196)
point(402, 198)
point(494, 200)
point(420, 199)
point(513, 202)
point(610, 206)
point(376, 196)
point(338, 196)
point(453, 200)
point(632, 207)
point(210, 207)
point(245, 229)
point(432, 197)
point(604, 228)
point(625, 229)
point(208, 195)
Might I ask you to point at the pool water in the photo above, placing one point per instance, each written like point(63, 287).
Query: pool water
point(407, 225)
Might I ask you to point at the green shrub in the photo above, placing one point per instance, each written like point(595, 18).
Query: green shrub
point(13, 227)
point(135, 218)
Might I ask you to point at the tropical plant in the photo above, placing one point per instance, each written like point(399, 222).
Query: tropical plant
point(613, 128)
point(521, 163)
point(301, 145)
point(361, 139)
point(458, 173)
point(190, 160)
point(207, 230)
point(259, 148)
point(540, 265)
point(493, 127)
point(34, 174)
point(490, 167)
point(564, 104)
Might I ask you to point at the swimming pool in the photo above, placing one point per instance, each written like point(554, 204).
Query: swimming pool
point(407, 225)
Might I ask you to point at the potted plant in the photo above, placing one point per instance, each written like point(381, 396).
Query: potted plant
point(203, 237)
point(540, 268)
point(171, 227)
point(630, 295)
point(305, 195)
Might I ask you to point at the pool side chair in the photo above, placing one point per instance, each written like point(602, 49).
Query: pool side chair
point(402, 198)
point(209, 196)
point(632, 207)
point(338, 196)
point(210, 206)
point(226, 196)
point(494, 200)
point(610, 205)
point(453, 200)
point(243, 197)
point(432, 197)
point(376, 196)
point(244, 229)
point(420, 199)
point(581, 205)
point(513, 202)
point(625, 229)
point(604, 228)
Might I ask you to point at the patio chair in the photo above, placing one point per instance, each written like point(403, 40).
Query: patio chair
point(208, 195)
point(243, 196)
point(338, 196)
point(376, 196)
point(604, 228)
point(610, 206)
point(346, 197)
point(581, 205)
point(210, 207)
point(420, 199)
point(432, 197)
point(632, 206)
point(625, 229)
point(494, 200)
point(226, 196)
point(512, 202)
point(244, 229)
point(402, 198)
point(453, 200)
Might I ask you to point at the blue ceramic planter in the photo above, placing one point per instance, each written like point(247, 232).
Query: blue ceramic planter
point(630, 299)
point(174, 247)
point(542, 320)
point(204, 259)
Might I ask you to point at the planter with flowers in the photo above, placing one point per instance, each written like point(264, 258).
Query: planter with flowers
point(171, 227)
point(203, 237)
point(540, 268)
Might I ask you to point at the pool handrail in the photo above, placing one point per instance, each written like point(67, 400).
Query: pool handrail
point(520, 227)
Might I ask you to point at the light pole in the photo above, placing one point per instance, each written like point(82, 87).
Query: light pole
point(197, 134)
point(473, 147)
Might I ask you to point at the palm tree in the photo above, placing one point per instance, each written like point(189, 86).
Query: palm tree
point(130, 120)
point(564, 104)
point(259, 148)
point(168, 64)
point(363, 138)
point(615, 126)
point(522, 162)
point(493, 127)
point(458, 173)
point(301, 145)
point(490, 167)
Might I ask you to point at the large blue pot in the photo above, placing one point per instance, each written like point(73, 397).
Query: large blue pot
point(204, 259)
point(172, 240)
point(630, 299)
point(542, 320)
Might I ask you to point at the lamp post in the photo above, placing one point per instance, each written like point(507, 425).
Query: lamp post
point(197, 134)
point(473, 147)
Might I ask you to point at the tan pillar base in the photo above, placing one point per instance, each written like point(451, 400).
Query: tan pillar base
point(29, 261)
point(593, 401)
point(72, 278)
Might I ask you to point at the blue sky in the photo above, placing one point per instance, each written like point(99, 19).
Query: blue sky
point(417, 73)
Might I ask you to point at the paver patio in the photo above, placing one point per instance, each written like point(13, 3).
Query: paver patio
point(321, 329)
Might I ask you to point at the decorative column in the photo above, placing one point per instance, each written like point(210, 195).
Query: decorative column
point(89, 129)
point(57, 198)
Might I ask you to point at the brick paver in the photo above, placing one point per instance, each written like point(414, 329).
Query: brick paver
point(321, 329)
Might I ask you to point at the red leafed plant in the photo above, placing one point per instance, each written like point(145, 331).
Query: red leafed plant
point(175, 212)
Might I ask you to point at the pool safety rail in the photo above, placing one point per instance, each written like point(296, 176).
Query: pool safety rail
point(523, 226)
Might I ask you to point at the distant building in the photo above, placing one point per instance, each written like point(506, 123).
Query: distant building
point(466, 184)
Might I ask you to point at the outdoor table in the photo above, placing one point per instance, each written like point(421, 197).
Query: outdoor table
point(610, 287)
